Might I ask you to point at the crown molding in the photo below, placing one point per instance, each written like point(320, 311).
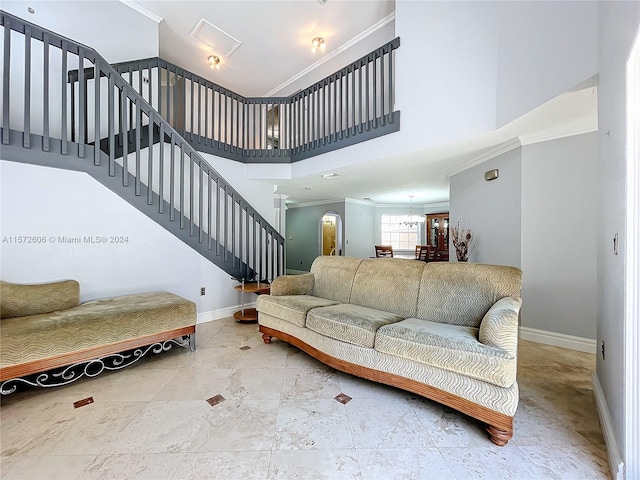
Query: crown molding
point(140, 9)
point(368, 203)
point(587, 125)
point(488, 155)
point(313, 204)
point(334, 53)
point(437, 207)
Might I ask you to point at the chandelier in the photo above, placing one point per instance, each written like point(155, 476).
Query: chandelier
point(412, 220)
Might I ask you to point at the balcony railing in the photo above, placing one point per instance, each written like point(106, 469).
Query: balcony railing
point(352, 105)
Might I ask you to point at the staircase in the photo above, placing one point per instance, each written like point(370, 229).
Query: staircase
point(140, 156)
point(137, 128)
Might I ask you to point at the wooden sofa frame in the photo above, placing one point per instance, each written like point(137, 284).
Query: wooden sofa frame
point(499, 426)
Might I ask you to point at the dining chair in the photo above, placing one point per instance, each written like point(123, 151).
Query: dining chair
point(384, 251)
point(422, 252)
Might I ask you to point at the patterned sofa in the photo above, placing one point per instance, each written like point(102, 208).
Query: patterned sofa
point(45, 327)
point(446, 331)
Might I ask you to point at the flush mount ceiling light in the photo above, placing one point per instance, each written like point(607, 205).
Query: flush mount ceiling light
point(329, 176)
point(317, 44)
point(31, 10)
point(214, 62)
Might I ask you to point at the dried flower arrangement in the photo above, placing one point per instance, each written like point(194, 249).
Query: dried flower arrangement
point(463, 241)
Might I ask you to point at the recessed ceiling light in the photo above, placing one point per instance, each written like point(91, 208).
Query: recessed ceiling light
point(31, 10)
point(368, 199)
point(329, 176)
point(307, 188)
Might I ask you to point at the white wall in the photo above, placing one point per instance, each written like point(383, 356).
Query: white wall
point(114, 30)
point(446, 70)
point(51, 203)
point(492, 209)
point(544, 49)
point(559, 201)
point(617, 27)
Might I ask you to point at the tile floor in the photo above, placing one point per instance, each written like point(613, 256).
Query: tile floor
point(279, 420)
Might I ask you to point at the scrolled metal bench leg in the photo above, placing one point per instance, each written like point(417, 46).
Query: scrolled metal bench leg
point(94, 367)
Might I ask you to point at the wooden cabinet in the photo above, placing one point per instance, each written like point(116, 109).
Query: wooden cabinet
point(437, 226)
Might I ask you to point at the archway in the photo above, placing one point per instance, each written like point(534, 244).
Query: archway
point(331, 233)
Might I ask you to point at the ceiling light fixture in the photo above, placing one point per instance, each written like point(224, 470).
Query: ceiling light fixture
point(31, 10)
point(412, 220)
point(214, 62)
point(317, 43)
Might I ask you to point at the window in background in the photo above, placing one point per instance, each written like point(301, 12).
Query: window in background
point(398, 235)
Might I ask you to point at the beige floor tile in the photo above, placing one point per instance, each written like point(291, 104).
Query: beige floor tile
point(161, 427)
point(448, 427)
point(490, 463)
point(190, 383)
point(567, 462)
point(237, 425)
point(254, 383)
point(263, 356)
point(312, 425)
point(149, 466)
point(405, 463)
point(53, 467)
point(224, 466)
point(381, 423)
point(310, 383)
point(315, 465)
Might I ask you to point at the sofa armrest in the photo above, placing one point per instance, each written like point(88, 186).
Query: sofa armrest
point(293, 284)
point(499, 327)
point(19, 300)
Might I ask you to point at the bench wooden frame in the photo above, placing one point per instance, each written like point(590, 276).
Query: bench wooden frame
point(17, 372)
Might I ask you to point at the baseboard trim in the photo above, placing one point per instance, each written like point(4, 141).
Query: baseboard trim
point(220, 313)
point(571, 342)
point(616, 465)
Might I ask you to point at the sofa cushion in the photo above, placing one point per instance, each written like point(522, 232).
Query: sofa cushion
point(293, 284)
point(21, 300)
point(451, 347)
point(461, 293)
point(350, 323)
point(333, 277)
point(292, 308)
point(389, 284)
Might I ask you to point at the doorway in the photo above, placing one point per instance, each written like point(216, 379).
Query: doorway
point(331, 233)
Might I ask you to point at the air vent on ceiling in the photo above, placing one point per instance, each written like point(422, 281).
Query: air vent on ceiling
point(219, 40)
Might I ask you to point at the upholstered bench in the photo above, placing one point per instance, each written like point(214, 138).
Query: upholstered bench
point(45, 327)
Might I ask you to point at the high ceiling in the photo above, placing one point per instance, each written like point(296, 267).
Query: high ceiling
point(275, 37)
point(275, 58)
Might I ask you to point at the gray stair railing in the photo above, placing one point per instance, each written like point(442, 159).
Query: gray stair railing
point(115, 134)
point(352, 105)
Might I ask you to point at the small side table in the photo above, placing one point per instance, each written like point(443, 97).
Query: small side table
point(250, 315)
